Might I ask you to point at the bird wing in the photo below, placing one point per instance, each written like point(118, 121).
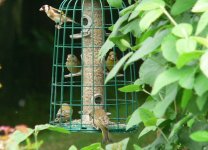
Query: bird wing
point(57, 11)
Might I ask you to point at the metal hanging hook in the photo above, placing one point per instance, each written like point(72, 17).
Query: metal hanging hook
point(86, 29)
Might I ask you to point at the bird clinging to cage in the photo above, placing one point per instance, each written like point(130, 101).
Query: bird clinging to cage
point(64, 113)
point(101, 121)
point(56, 15)
point(111, 60)
point(73, 65)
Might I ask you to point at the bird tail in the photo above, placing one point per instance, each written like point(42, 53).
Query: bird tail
point(105, 133)
point(70, 20)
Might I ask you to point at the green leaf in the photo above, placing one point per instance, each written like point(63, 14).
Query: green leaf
point(185, 58)
point(200, 6)
point(135, 118)
point(191, 122)
point(160, 121)
point(180, 6)
point(72, 148)
point(151, 4)
point(203, 21)
point(135, 13)
point(200, 85)
point(50, 127)
point(182, 30)
point(127, 10)
point(125, 43)
point(109, 44)
point(162, 106)
point(147, 130)
point(95, 146)
point(169, 48)
point(106, 47)
point(201, 40)
point(186, 97)
point(165, 78)
point(170, 113)
point(151, 68)
point(148, 46)
point(149, 18)
point(147, 117)
point(204, 63)
point(200, 136)
point(122, 41)
point(187, 77)
point(130, 88)
point(145, 35)
point(113, 3)
point(35, 145)
point(185, 45)
point(177, 126)
point(17, 137)
point(129, 1)
point(117, 67)
point(138, 82)
point(157, 143)
point(136, 147)
point(132, 26)
point(146, 5)
point(201, 101)
point(122, 145)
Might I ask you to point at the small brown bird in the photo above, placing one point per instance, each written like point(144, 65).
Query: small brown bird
point(56, 15)
point(101, 121)
point(64, 113)
point(73, 63)
point(111, 60)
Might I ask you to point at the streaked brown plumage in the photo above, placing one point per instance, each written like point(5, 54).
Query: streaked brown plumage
point(111, 60)
point(73, 63)
point(101, 121)
point(56, 15)
point(64, 113)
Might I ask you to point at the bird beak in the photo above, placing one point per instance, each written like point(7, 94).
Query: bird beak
point(41, 9)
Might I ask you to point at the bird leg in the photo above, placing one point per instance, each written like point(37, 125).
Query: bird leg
point(58, 26)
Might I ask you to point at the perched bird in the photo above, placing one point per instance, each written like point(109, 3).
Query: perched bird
point(64, 113)
point(101, 121)
point(111, 60)
point(56, 15)
point(73, 63)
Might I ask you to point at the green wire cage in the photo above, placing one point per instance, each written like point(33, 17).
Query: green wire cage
point(84, 91)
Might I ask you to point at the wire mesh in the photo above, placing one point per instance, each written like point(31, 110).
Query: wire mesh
point(84, 91)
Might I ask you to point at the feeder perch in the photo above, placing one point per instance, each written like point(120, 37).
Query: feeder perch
point(85, 91)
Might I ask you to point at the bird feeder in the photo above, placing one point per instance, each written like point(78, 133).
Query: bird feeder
point(85, 91)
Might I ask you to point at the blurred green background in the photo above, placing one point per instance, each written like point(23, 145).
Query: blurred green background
point(26, 48)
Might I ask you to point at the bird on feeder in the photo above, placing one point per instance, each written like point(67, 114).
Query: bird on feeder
point(73, 65)
point(64, 113)
point(56, 15)
point(101, 121)
point(111, 60)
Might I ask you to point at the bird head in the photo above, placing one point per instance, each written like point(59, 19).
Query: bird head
point(111, 55)
point(71, 58)
point(65, 105)
point(44, 8)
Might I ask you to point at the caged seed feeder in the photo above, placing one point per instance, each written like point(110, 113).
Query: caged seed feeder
point(81, 85)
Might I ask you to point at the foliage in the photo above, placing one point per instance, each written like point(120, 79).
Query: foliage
point(21, 138)
point(171, 39)
point(22, 133)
